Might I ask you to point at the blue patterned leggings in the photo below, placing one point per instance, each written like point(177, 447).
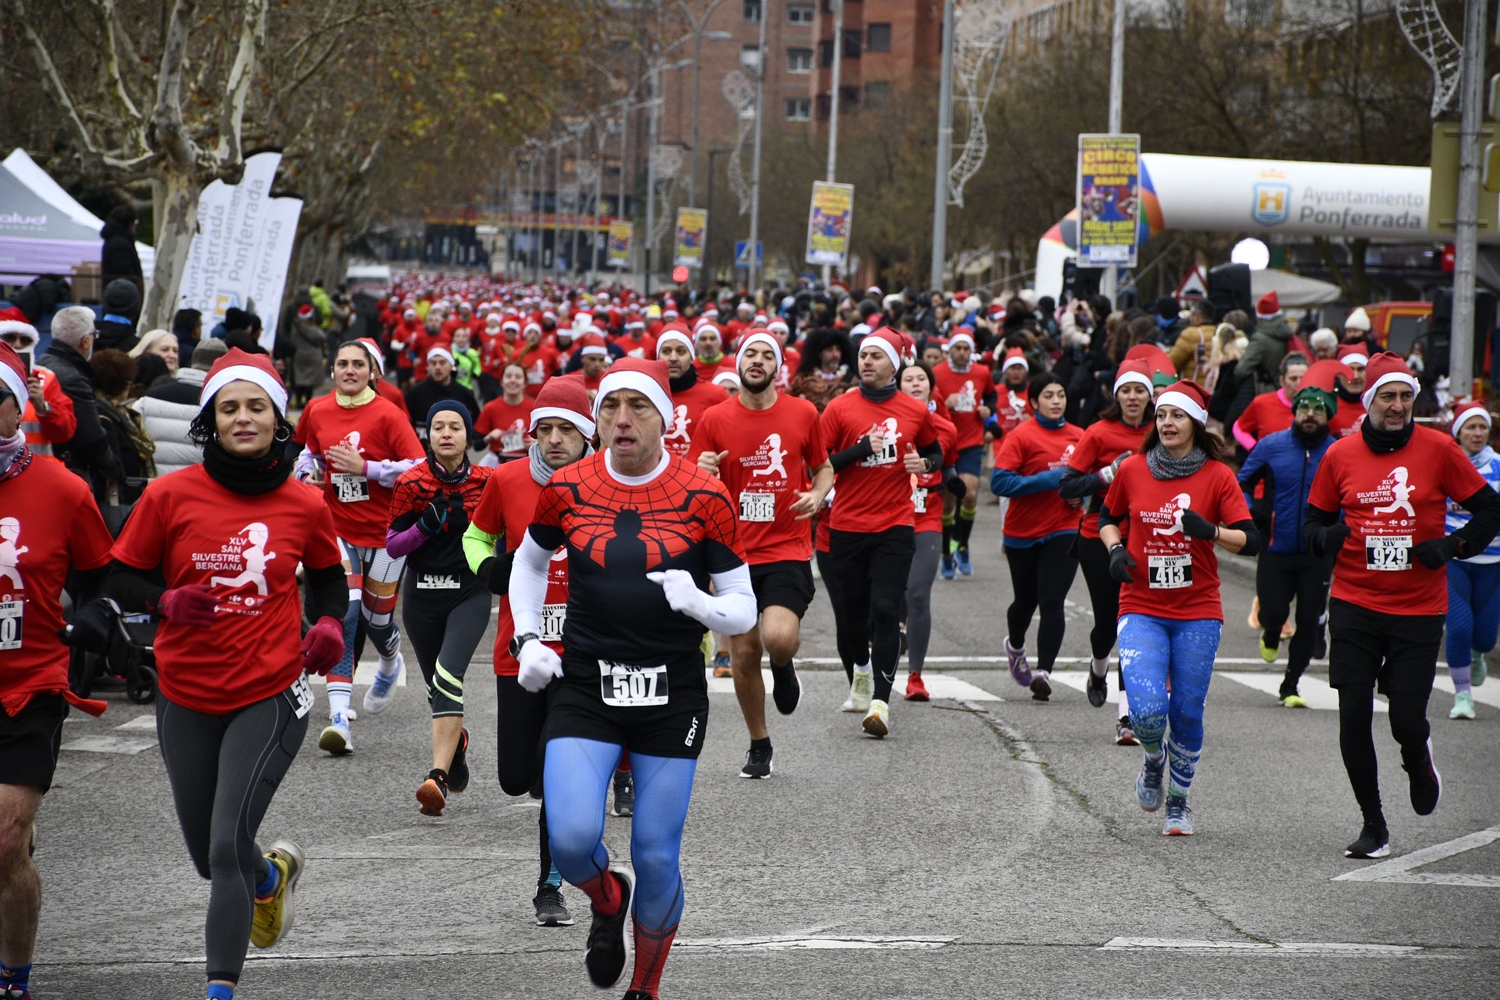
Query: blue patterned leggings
point(1151, 650)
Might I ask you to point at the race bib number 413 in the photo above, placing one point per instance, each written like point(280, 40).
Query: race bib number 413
point(1169, 572)
point(1390, 553)
point(624, 685)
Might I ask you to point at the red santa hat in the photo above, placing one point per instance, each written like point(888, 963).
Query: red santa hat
point(592, 344)
point(1465, 411)
point(646, 377)
point(13, 374)
point(727, 379)
point(758, 337)
point(1267, 306)
point(1383, 369)
point(21, 327)
point(1014, 356)
point(1136, 371)
point(1354, 354)
point(885, 343)
point(567, 398)
point(673, 332)
point(241, 366)
point(963, 335)
point(1189, 397)
point(1163, 372)
point(377, 356)
point(305, 311)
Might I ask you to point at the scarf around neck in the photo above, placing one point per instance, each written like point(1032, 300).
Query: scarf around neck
point(246, 476)
point(541, 472)
point(878, 395)
point(358, 399)
point(1164, 466)
point(1384, 442)
point(685, 381)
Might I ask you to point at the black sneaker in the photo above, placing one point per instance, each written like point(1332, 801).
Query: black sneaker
point(624, 794)
point(1426, 784)
point(638, 995)
point(1041, 686)
point(550, 911)
point(1097, 689)
point(757, 763)
point(1374, 842)
point(458, 771)
point(609, 944)
point(786, 689)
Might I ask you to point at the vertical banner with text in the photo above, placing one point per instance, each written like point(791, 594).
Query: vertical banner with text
point(829, 222)
point(620, 234)
point(1109, 197)
point(692, 230)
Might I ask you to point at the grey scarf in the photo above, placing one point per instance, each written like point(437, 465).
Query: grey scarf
point(541, 472)
point(1164, 466)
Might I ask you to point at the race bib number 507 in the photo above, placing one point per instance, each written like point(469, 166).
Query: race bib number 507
point(624, 685)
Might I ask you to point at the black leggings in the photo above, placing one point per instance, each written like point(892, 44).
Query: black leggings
point(1357, 739)
point(1040, 576)
point(445, 627)
point(519, 751)
point(1278, 578)
point(873, 570)
point(224, 769)
point(1104, 595)
point(835, 601)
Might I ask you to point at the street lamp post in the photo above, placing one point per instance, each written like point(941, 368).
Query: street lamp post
point(1107, 281)
point(833, 107)
point(944, 153)
point(707, 268)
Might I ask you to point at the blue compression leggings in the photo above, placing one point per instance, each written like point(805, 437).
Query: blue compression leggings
point(1151, 650)
point(576, 779)
point(1473, 610)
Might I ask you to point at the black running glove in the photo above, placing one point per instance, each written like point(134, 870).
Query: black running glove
point(1121, 563)
point(433, 518)
point(1195, 525)
point(1332, 538)
point(92, 626)
point(1436, 551)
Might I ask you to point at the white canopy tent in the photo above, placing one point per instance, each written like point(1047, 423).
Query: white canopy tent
point(1293, 290)
point(41, 183)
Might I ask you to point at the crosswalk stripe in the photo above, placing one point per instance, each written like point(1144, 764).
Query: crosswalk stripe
point(938, 686)
point(1078, 681)
point(1487, 695)
point(1315, 690)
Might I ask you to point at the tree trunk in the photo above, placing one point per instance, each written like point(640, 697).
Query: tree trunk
point(174, 197)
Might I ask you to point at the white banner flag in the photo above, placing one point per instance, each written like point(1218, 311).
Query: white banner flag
point(240, 253)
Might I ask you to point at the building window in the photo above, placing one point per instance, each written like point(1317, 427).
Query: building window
point(799, 60)
point(878, 37)
point(751, 11)
point(877, 95)
point(853, 40)
point(799, 13)
point(750, 57)
point(799, 109)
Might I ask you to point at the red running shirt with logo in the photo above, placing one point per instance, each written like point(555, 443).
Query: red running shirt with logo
point(874, 494)
point(379, 432)
point(1030, 450)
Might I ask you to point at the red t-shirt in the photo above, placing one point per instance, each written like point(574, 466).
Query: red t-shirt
point(48, 525)
point(1101, 444)
point(770, 453)
point(688, 408)
point(1029, 450)
point(1012, 406)
point(505, 509)
point(511, 421)
point(970, 387)
point(1266, 414)
point(246, 548)
point(927, 491)
point(707, 371)
point(1392, 502)
point(540, 363)
point(378, 431)
point(1175, 576)
point(643, 348)
point(874, 494)
point(1347, 420)
point(388, 391)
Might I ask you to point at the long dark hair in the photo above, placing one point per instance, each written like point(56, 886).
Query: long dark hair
point(1114, 412)
point(819, 341)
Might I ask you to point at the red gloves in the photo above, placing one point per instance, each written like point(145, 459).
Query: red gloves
point(323, 646)
point(191, 605)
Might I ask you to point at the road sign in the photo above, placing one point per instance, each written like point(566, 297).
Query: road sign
point(1442, 198)
point(742, 259)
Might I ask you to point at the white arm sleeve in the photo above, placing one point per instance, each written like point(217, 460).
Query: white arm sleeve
point(387, 471)
point(731, 610)
point(528, 585)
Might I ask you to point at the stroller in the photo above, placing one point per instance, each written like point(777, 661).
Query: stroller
point(129, 652)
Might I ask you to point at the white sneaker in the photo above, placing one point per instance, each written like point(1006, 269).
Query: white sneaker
point(862, 690)
point(848, 705)
point(384, 688)
point(877, 721)
point(336, 738)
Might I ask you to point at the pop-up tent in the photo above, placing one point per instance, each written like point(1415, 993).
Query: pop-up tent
point(36, 238)
point(42, 184)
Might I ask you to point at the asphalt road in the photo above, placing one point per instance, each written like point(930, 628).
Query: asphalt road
point(990, 847)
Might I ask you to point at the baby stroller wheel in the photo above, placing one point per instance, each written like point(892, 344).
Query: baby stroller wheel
point(140, 684)
point(83, 666)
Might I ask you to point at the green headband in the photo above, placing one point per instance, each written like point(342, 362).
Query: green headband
point(1329, 400)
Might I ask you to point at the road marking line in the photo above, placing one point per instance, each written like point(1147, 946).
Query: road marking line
point(1326, 949)
point(1400, 870)
point(415, 852)
point(1078, 681)
point(817, 942)
point(109, 744)
point(938, 686)
point(1489, 695)
point(145, 722)
point(1317, 692)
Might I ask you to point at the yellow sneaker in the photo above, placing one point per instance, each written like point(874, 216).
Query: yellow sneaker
point(1294, 701)
point(275, 915)
point(1267, 653)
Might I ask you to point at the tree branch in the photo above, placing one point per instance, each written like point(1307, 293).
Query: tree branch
point(241, 76)
point(167, 127)
point(48, 72)
point(114, 83)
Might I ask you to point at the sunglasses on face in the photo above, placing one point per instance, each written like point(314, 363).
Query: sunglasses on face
point(1311, 407)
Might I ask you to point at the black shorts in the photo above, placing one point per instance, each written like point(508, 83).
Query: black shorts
point(787, 584)
point(576, 708)
point(1393, 653)
point(30, 741)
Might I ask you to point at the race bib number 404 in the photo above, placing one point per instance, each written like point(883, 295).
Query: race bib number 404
point(1390, 553)
point(624, 685)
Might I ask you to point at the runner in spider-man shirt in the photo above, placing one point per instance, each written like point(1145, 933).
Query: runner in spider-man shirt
point(1391, 481)
point(633, 519)
point(766, 448)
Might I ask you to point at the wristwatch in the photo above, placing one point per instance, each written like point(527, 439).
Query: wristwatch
point(517, 642)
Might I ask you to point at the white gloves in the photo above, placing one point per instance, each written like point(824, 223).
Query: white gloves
point(682, 592)
point(539, 664)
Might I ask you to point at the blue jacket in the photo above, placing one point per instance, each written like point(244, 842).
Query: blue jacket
point(1287, 467)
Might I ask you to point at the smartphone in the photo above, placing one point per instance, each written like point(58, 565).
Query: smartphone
point(26, 361)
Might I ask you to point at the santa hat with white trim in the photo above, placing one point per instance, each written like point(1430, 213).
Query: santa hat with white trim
point(242, 366)
point(1354, 354)
point(1137, 371)
point(1189, 397)
point(646, 377)
point(26, 330)
point(13, 374)
point(1466, 411)
point(377, 356)
point(671, 332)
point(881, 340)
point(1383, 369)
point(963, 335)
point(567, 398)
point(758, 337)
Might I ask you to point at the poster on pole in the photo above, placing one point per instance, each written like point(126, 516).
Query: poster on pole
point(619, 243)
point(1109, 198)
point(692, 229)
point(240, 254)
point(828, 223)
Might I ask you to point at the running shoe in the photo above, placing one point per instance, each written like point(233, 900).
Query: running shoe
point(432, 794)
point(383, 688)
point(1374, 842)
point(848, 705)
point(1463, 706)
point(862, 690)
point(550, 911)
point(624, 793)
point(722, 667)
point(274, 916)
point(786, 689)
point(335, 737)
point(1124, 735)
point(1479, 671)
point(1020, 669)
point(1097, 689)
point(638, 995)
point(877, 721)
point(1041, 685)
point(916, 690)
point(757, 763)
point(458, 770)
point(609, 945)
point(1148, 784)
point(1179, 821)
point(13, 992)
point(1267, 653)
point(1294, 700)
point(1426, 784)
point(949, 568)
point(965, 568)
